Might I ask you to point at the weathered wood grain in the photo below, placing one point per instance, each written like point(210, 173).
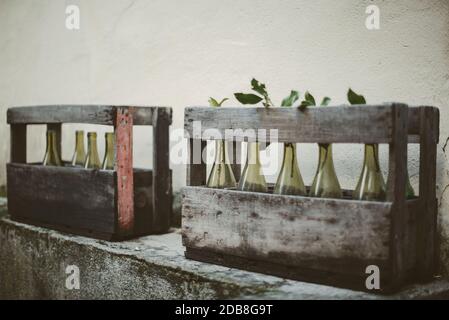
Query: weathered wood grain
point(298, 231)
point(123, 129)
point(346, 124)
point(75, 197)
point(18, 149)
point(427, 221)
point(93, 114)
point(162, 193)
point(396, 194)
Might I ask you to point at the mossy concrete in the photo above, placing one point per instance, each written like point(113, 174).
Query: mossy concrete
point(34, 260)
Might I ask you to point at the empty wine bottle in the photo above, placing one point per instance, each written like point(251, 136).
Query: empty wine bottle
point(289, 181)
point(92, 159)
point(51, 157)
point(79, 155)
point(325, 184)
point(371, 185)
point(221, 175)
point(109, 159)
point(252, 177)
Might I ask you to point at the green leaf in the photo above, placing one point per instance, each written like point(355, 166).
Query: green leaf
point(310, 98)
point(355, 98)
point(215, 103)
point(304, 104)
point(247, 98)
point(258, 87)
point(325, 101)
point(291, 99)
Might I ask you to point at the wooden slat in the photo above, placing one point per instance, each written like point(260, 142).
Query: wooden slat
point(18, 149)
point(162, 191)
point(427, 220)
point(124, 168)
point(93, 114)
point(301, 231)
point(345, 124)
point(396, 193)
point(196, 169)
point(75, 197)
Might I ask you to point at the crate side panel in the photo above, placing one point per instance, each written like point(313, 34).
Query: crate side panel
point(71, 197)
point(317, 233)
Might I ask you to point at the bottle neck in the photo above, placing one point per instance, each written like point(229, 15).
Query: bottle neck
point(325, 153)
point(253, 153)
point(371, 157)
point(92, 144)
point(79, 140)
point(220, 151)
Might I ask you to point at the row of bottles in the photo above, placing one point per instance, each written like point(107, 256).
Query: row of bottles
point(371, 185)
point(91, 160)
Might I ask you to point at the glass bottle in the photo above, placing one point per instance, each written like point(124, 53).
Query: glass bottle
point(79, 155)
point(221, 175)
point(289, 181)
point(51, 157)
point(409, 192)
point(252, 177)
point(371, 185)
point(109, 159)
point(325, 184)
point(92, 159)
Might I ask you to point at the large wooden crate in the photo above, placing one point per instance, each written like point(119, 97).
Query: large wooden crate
point(106, 204)
point(330, 241)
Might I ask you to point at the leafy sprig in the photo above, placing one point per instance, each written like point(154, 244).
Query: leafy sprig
point(251, 98)
point(355, 98)
point(309, 100)
point(214, 103)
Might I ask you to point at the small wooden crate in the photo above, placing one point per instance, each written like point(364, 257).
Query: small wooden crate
point(111, 205)
point(329, 241)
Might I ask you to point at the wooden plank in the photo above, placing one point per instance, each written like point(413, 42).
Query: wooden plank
point(143, 202)
point(71, 197)
point(124, 167)
point(18, 149)
point(299, 231)
point(353, 280)
point(196, 168)
point(427, 220)
point(345, 124)
point(93, 114)
point(396, 194)
point(162, 191)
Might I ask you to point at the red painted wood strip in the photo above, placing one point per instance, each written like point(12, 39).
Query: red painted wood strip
point(124, 167)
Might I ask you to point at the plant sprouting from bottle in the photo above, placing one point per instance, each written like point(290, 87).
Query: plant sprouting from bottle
point(355, 98)
point(251, 98)
point(214, 103)
point(309, 100)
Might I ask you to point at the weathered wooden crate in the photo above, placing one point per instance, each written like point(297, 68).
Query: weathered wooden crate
point(330, 241)
point(111, 205)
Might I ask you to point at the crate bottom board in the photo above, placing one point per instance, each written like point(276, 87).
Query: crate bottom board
point(80, 231)
point(289, 272)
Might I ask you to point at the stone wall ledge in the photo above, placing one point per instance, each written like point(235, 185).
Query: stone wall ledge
point(34, 260)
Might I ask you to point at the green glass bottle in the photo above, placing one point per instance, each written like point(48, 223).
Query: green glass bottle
point(289, 181)
point(252, 177)
point(79, 155)
point(409, 192)
point(371, 184)
point(221, 175)
point(92, 159)
point(109, 159)
point(325, 184)
point(51, 157)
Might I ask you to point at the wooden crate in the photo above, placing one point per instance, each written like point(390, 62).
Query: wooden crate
point(111, 205)
point(330, 241)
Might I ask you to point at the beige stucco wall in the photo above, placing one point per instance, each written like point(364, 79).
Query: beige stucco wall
point(177, 53)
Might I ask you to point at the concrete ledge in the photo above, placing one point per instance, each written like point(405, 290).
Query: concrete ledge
point(33, 263)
